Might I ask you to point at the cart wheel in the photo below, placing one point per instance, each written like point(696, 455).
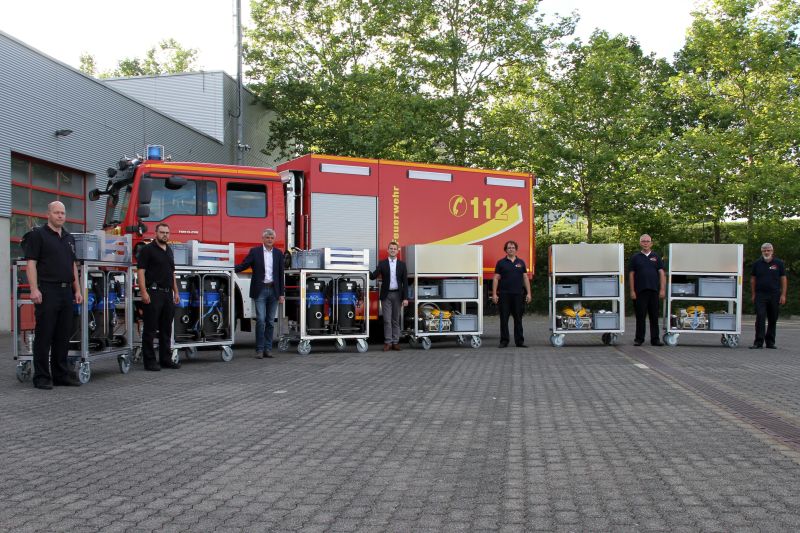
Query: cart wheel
point(124, 362)
point(723, 339)
point(24, 371)
point(413, 342)
point(226, 354)
point(136, 354)
point(340, 345)
point(557, 340)
point(304, 347)
point(606, 338)
point(475, 341)
point(362, 346)
point(176, 356)
point(614, 339)
point(84, 372)
point(733, 341)
point(191, 353)
point(461, 341)
point(671, 339)
point(283, 344)
point(426, 343)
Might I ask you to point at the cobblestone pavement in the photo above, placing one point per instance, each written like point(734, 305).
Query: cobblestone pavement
point(585, 437)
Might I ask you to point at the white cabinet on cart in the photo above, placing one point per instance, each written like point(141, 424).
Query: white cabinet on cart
point(586, 288)
point(704, 291)
point(445, 293)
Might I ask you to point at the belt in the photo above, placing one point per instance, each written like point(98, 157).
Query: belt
point(270, 284)
point(161, 289)
point(62, 284)
point(394, 290)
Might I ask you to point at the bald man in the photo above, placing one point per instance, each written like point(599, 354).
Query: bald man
point(53, 278)
point(647, 285)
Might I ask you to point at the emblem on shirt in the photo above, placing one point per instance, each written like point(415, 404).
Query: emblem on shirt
point(773, 267)
point(653, 259)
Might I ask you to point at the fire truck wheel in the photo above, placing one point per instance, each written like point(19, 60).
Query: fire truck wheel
point(732, 341)
point(283, 344)
point(362, 346)
point(226, 354)
point(339, 344)
point(24, 371)
point(557, 340)
point(124, 362)
point(84, 372)
point(475, 342)
point(304, 347)
point(426, 343)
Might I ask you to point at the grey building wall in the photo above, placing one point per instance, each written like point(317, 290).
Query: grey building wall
point(39, 95)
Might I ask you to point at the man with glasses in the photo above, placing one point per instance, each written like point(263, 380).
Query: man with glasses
point(647, 283)
point(511, 290)
point(768, 287)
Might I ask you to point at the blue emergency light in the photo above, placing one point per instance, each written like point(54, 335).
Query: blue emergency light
point(155, 152)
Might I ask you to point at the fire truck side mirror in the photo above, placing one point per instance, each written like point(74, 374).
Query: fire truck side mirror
point(145, 192)
point(94, 195)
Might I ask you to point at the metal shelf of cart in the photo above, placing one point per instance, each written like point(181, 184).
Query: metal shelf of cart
point(433, 271)
point(587, 264)
point(294, 329)
point(709, 262)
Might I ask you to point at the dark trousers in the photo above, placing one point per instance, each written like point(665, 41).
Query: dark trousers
point(392, 309)
point(767, 306)
point(158, 317)
point(511, 305)
point(53, 329)
point(646, 305)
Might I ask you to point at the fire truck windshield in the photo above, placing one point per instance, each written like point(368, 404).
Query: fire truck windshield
point(117, 205)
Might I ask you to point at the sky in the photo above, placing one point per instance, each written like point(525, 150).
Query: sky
point(114, 29)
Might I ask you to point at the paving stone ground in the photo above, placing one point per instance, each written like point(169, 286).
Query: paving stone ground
point(580, 438)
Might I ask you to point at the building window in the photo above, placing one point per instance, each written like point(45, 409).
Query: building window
point(34, 184)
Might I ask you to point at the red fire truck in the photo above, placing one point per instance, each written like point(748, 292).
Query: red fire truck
point(320, 201)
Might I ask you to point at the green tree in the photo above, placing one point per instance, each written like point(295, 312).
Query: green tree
point(737, 130)
point(588, 129)
point(394, 78)
point(168, 57)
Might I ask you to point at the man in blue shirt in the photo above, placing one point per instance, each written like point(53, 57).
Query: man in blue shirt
point(647, 282)
point(511, 290)
point(768, 287)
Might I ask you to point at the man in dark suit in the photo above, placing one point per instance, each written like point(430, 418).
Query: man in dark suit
point(394, 290)
point(266, 288)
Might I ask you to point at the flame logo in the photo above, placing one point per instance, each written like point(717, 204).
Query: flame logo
point(458, 205)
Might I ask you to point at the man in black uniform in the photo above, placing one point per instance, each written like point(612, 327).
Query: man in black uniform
point(511, 281)
point(53, 277)
point(768, 286)
point(159, 291)
point(648, 283)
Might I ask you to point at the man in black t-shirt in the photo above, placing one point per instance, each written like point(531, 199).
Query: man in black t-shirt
point(53, 278)
point(511, 289)
point(156, 276)
point(647, 283)
point(768, 287)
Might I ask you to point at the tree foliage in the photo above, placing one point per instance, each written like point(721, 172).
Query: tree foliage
point(168, 57)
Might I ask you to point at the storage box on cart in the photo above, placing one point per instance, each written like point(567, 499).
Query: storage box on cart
point(722, 322)
point(307, 259)
point(180, 252)
point(567, 289)
point(605, 321)
point(683, 289)
point(710, 287)
point(465, 322)
point(87, 246)
point(459, 288)
point(599, 286)
point(113, 248)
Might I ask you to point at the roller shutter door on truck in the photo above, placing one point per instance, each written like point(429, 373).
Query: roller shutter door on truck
point(345, 221)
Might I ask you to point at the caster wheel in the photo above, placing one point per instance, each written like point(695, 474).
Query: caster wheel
point(733, 341)
point(461, 341)
point(84, 372)
point(340, 345)
point(226, 354)
point(614, 339)
point(191, 353)
point(413, 342)
point(557, 340)
point(176, 356)
point(136, 355)
point(606, 338)
point(723, 340)
point(426, 343)
point(124, 362)
point(362, 346)
point(24, 371)
point(283, 344)
point(671, 339)
point(475, 342)
point(304, 347)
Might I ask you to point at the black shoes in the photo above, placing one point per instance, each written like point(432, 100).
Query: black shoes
point(502, 345)
point(772, 347)
point(171, 365)
point(638, 343)
point(43, 386)
point(522, 345)
point(69, 382)
point(656, 343)
point(152, 368)
point(756, 347)
point(268, 355)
